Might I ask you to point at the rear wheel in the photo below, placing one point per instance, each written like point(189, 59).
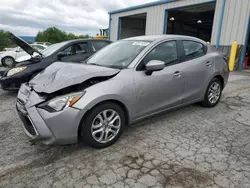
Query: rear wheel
point(213, 93)
point(103, 125)
point(8, 62)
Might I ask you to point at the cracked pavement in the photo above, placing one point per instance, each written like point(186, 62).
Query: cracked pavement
point(189, 147)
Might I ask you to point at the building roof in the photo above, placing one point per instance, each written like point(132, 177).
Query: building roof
point(159, 2)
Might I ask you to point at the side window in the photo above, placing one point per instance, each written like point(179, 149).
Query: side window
point(193, 49)
point(97, 45)
point(81, 48)
point(68, 51)
point(166, 52)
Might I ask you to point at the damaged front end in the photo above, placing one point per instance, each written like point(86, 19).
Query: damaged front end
point(67, 97)
point(45, 105)
point(61, 75)
point(61, 79)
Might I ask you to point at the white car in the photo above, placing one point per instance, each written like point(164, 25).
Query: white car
point(43, 43)
point(39, 47)
point(9, 57)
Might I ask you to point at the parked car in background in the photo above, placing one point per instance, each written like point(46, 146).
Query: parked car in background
point(68, 51)
point(43, 43)
point(39, 47)
point(9, 57)
point(123, 83)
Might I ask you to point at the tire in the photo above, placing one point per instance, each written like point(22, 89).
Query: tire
point(92, 122)
point(8, 61)
point(209, 100)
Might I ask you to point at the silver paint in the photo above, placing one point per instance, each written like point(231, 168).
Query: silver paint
point(142, 95)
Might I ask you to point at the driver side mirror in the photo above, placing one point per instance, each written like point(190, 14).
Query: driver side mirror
point(154, 65)
point(60, 55)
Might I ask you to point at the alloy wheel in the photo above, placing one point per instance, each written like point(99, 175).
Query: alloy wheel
point(105, 126)
point(214, 92)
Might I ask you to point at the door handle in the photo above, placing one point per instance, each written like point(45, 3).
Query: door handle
point(208, 64)
point(177, 73)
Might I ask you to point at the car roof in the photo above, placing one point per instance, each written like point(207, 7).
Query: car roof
point(85, 40)
point(154, 38)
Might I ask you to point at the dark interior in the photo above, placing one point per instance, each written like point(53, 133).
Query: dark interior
point(131, 26)
point(196, 21)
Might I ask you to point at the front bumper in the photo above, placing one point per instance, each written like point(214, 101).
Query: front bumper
point(11, 82)
point(45, 127)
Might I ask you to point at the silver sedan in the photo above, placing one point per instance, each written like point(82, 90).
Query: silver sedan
point(121, 84)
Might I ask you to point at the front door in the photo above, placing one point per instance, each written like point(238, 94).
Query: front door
point(20, 52)
point(163, 89)
point(77, 52)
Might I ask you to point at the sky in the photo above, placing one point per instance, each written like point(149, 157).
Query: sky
point(27, 17)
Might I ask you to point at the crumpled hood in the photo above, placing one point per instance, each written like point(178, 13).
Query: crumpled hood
point(61, 75)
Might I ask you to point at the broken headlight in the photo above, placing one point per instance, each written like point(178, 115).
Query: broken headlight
point(61, 102)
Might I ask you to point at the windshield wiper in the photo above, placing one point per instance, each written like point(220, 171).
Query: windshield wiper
point(94, 64)
point(109, 66)
point(115, 66)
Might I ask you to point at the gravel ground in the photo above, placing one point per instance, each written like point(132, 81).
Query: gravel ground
point(188, 147)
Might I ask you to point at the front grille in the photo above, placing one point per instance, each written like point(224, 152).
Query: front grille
point(28, 125)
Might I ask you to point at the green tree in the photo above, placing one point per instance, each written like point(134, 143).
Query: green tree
point(55, 35)
point(5, 40)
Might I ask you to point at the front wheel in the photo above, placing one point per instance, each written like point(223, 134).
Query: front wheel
point(213, 93)
point(103, 125)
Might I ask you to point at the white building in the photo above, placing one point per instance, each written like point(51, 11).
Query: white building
point(219, 22)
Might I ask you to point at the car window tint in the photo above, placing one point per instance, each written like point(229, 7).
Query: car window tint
point(68, 51)
point(166, 52)
point(81, 47)
point(193, 50)
point(97, 45)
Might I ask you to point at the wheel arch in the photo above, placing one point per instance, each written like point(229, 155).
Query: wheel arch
point(118, 102)
point(209, 80)
point(220, 78)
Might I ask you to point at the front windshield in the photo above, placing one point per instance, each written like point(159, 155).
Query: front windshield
point(119, 54)
point(53, 48)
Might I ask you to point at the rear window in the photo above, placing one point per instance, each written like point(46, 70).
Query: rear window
point(193, 49)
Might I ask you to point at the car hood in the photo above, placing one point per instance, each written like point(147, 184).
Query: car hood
point(24, 45)
point(61, 75)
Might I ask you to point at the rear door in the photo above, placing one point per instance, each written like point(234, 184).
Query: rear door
point(197, 67)
point(20, 52)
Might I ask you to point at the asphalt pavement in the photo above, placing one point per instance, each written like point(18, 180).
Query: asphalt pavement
point(189, 147)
